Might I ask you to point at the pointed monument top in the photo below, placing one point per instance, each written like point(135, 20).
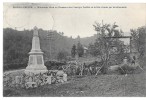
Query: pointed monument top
point(35, 32)
point(35, 28)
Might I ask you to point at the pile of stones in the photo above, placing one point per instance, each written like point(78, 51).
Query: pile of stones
point(35, 80)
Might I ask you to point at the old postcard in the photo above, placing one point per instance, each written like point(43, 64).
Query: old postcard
point(74, 50)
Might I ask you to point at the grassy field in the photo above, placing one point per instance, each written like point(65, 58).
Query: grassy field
point(132, 85)
point(101, 85)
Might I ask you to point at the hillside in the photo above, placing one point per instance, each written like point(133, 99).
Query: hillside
point(17, 44)
point(85, 41)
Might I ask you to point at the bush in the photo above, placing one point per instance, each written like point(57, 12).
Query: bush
point(62, 56)
point(14, 66)
point(54, 65)
point(49, 64)
point(126, 69)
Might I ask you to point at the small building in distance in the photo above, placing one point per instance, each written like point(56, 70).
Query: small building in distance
point(85, 49)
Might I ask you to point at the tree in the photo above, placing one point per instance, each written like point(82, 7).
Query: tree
point(80, 49)
point(17, 45)
point(142, 43)
point(73, 51)
point(62, 55)
point(138, 38)
point(93, 49)
point(103, 42)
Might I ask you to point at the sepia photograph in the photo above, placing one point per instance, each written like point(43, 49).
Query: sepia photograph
point(74, 49)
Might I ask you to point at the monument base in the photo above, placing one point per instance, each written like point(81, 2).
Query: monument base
point(35, 69)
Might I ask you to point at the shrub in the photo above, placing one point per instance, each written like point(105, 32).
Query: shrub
point(126, 69)
point(54, 65)
point(14, 66)
point(62, 56)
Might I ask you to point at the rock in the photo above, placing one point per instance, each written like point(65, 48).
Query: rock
point(114, 67)
point(64, 77)
point(38, 82)
point(82, 91)
point(53, 80)
point(30, 85)
point(30, 79)
point(42, 83)
point(17, 79)
point(61, 81)
point(60, 73)
point(48, 80)
point(58, 77)
point(125, 61)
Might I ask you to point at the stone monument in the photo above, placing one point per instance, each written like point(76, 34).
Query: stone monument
point(36, 62)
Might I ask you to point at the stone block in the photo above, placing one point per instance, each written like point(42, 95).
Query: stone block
point(64, 77)
point(30, 85)
point(17, 79)
point(48, 80)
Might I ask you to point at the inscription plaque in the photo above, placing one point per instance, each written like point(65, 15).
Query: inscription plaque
point(39, 59)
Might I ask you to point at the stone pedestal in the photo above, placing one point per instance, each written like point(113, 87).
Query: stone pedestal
point(36, 62)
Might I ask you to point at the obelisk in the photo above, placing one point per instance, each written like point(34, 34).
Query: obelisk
point(36, 62)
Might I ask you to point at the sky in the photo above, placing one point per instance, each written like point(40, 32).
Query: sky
point(73, 19)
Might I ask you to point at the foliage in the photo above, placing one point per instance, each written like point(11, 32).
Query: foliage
point(126, 69)
point(80, 49)
point(14, 66)
point(93, 50)
point(62, 56)
point(104, 42)
point(17, 45)
point(54, 65)
point(138, 38)
point(73, 51)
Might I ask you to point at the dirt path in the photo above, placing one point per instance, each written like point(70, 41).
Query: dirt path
point(14, 71)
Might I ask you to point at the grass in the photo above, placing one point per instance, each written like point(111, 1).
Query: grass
point(101, 85)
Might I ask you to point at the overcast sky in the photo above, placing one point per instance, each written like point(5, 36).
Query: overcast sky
point(74, 21)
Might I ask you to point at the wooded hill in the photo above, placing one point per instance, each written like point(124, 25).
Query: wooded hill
point(17, 44)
